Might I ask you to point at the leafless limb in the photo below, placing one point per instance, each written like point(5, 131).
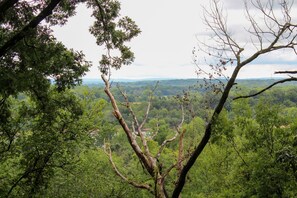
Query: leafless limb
point(165, 142)
point(107, 151)
point(255, 29)
point(146, 160)
point(285, 72)
point(139, 131)
point(182, 117)
point(216, 21)
point(155, 133)
point(222, 47)
point(175, 165)
point(128, 106)
point(265, 89)
point(149, 105)
point(180, 144)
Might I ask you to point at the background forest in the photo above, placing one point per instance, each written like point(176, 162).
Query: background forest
point(253, 151)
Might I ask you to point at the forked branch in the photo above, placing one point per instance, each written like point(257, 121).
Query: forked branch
point(147, 162)
point(138, 129)
point(107, 151)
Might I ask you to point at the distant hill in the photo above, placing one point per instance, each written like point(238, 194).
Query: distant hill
point(174, 87)
point(251, 83)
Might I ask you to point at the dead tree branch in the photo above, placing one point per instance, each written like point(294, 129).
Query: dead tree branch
point(135, 121)
point(131, 138)
point(185, 157)
point(265, 89)
point(107, 151)
point(285, 72)
point(165, 142)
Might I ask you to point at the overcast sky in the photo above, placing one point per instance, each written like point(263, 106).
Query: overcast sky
point(169, 33)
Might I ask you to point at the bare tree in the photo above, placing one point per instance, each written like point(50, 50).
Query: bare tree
point(276, 31)
point(271, 34)
point(136, 131)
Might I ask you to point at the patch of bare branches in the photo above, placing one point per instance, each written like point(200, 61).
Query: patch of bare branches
point(276, 31)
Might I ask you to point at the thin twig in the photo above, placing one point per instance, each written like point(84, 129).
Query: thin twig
point(265, 89)
point(285, 72)
point(107, 151)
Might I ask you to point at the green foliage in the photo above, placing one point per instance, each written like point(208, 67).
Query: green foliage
point(38, 121)
point(258, 159)
point(223, 128)
point(47, 134)
point(193, 132)
point(113, 32)
point(252, 152)
point(91, 177)
point(161, 128)
point(38, 55)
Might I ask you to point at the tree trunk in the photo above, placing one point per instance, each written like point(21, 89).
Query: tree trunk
point(160, 189)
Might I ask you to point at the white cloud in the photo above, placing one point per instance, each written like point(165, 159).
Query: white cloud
point(263, 70)
point(163, 49)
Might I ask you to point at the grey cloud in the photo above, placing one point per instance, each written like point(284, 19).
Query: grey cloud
point(239, 4)
point(233, 4)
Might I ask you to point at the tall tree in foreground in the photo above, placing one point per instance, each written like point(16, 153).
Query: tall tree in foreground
point(37, 120)
point(42, 126)
point(275, 31)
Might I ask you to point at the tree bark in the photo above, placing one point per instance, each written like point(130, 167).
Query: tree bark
point(160, 187)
